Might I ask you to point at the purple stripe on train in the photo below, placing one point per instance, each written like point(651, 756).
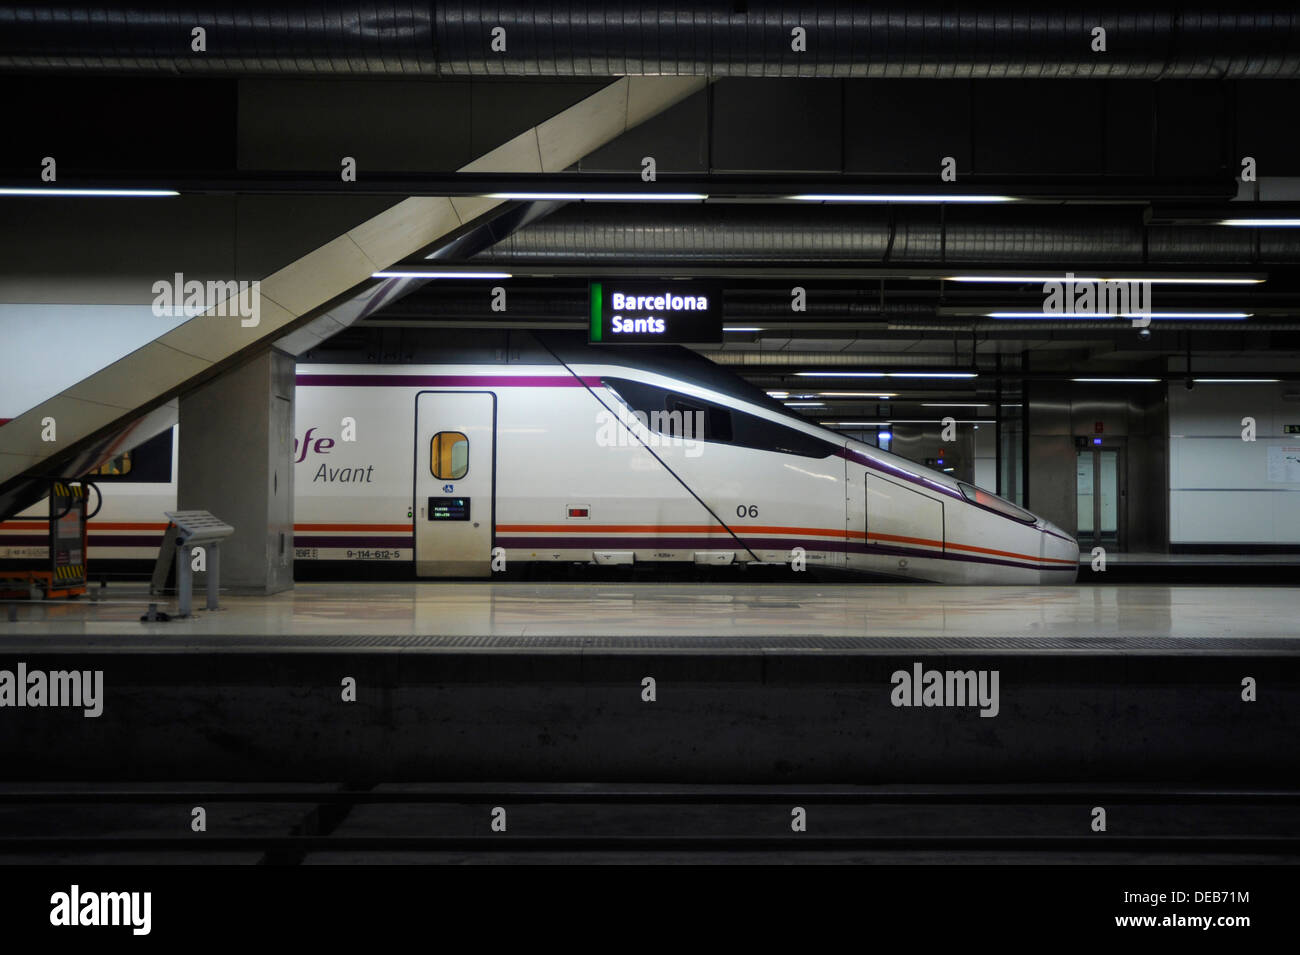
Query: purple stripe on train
point(449, 381)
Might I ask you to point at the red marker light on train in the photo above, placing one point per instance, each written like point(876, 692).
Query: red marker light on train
point(577, 512)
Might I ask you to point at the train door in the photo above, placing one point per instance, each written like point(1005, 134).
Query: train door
point(1099, 490)
point(454, 510)
point(899, 518)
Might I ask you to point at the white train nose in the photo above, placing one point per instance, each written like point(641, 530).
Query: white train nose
point(1058, 546)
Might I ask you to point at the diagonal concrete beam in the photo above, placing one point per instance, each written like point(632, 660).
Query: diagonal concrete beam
point(167, 365)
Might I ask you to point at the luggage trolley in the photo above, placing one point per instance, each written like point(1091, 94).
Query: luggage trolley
point(65, 575)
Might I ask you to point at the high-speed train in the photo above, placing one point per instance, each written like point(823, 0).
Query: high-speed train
point(594, 455)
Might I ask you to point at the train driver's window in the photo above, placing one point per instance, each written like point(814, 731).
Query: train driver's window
point(994, 503)
point(449, 456)
point(716, 421)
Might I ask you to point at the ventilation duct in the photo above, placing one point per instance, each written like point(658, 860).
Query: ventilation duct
point(753, 235)
point(709, 37)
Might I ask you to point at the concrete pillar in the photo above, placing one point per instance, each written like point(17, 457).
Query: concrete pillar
point(236, 460)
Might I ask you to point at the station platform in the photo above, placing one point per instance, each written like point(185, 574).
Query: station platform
point(635, 722)
point(1211, 568)
point(403, 615)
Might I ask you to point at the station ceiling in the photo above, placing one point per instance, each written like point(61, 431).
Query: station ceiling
point(1122, 163)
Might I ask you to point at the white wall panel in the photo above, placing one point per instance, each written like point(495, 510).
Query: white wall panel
point(1219, 486)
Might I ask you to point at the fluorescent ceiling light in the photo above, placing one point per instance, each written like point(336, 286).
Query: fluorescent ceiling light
point(894, 421)
point(932, 374)
point(1051, 316)
point(1194, 315)
point(740, 328)
point(602, 196)
point(805, 404)
point(440, 275)
point(1238, 381)
point(93, 193)
point(1080, 280)
point(778, 394)
point(953, 404)
point(1117, 380)
point(1262, 223)
point(901, 197)
point(856, 394)
point(840, 374)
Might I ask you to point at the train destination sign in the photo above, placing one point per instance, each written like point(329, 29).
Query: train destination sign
point(448, 508)
point(662, 313)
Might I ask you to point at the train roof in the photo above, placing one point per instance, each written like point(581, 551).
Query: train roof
point(673, 361)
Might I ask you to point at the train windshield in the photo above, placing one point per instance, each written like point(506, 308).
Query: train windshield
point(994, 503)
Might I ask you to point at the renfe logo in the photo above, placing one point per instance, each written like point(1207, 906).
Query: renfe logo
point(347, 472)
point(320, 446)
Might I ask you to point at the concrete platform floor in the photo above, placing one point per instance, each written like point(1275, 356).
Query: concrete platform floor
point(404, 611)
point(1183, 560)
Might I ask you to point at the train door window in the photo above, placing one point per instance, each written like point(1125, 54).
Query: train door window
point(117, 467)
point(449, 455)
point(149, 462)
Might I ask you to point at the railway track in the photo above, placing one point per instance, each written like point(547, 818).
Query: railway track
point(291, 825)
